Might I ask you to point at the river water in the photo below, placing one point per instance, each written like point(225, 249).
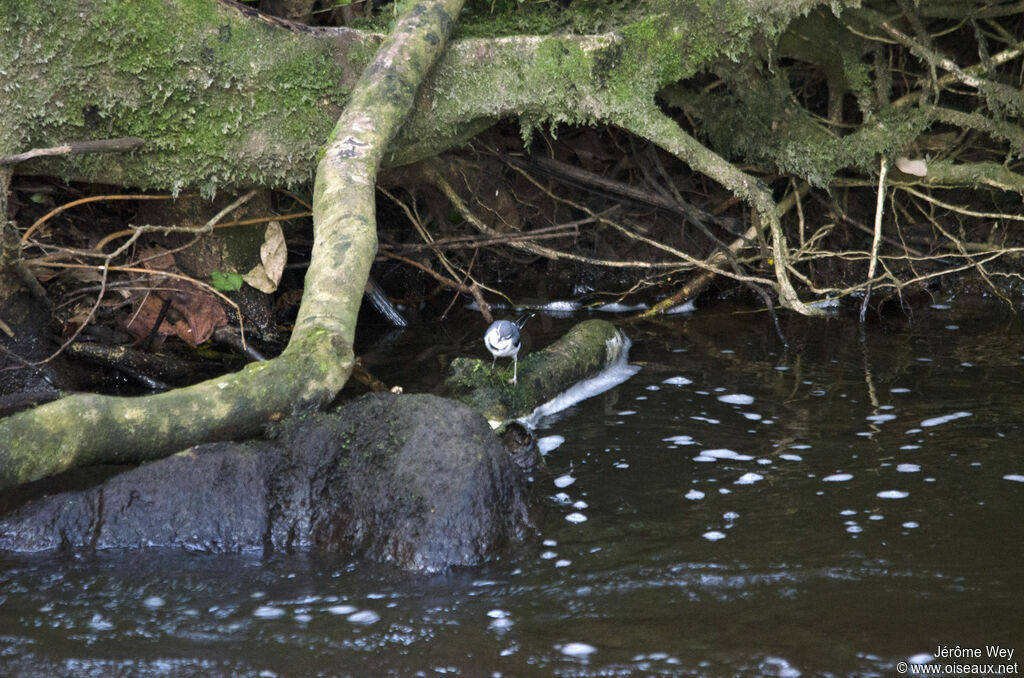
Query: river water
point(736, 508)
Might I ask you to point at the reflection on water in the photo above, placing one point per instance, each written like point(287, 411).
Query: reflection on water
point(733, 509)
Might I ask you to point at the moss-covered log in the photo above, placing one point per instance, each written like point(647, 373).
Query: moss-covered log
point(87, 429)
point(581, 353)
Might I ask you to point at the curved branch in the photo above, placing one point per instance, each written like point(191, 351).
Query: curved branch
point(85, 429)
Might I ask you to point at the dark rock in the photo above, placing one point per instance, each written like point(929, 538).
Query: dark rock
point(417, 481)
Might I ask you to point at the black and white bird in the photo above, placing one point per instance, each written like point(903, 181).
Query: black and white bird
point(502, 339)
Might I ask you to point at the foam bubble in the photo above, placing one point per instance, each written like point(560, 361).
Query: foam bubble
point(935, 421)
point(908, 468)
point(694, 495)
point(578, 650)
point(893, 494)
point(737, 399)
point(880, 418)
point(791, 457)
point(724, 453)
point(342, 609)
point(548, 443)
point(564, 481)
point(677, 381)
point(713, 535)
point(268, 612)
point(364, 617)
point(1015, 477)
point(837, 478)
point(749, 479)
point(576, 517)
point(680, 440)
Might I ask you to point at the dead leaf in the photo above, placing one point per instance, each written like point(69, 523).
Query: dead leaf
point(266, 275)
point(919, 168)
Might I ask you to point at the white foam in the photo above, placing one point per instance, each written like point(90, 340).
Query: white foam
point(1015, 477)
point(364, 617)
point(694, 495)
point(749, 479)
point(837, 478)
point(680, 440)
point(880, 418)
point(579, 505)
point(688, 307)
point(578, 650)
point(910, 524)
point(737, 399)
point(706, 419)
point(621, 308)
point(342, 609)
point(677, 381)
point(726, 454)
point(560, 307)
point(576, 518)
point(611, 376)
point(893, 494)
point(100, 623)
point(922, 658)
point(713, 535)
point(564, 481)
point(935, 421)
point(497, 614)
point(153, 602)
point(899, 389)
point(548, 443)
point(752, 416)
point(268, 612)
point(908, 468)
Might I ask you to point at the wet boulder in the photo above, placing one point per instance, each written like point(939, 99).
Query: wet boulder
point(417, 481)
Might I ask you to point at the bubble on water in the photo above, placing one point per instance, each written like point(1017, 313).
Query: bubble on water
point(497, 614)
point(564, 481)
point(548, 443)
point(677, 381)
point(791, 457)
point(1015, 477)
point(713, 535)
point(854, 529)
point(935, 421)
point(737, 399)
point(777, 666)
point(562, 498)
point(680, 440)
point(99, 623)
point(880, 418)
point(576, 518)
point(153, 602)
point(342, 609)
point(268, 612)
point(910, 447)
point(899, 389)
point(550, 542)
point(922, 658)
point(563, 563)
point(725, 454)
point(303, 618)
point(910, 524)
point(578, 650)
point(694, 495)
point(837, 478)
point(620, 464)
point(730, 515)
point(548, 555)
point(707, 420)
point(579, 505)
point(626, 413)
point(908, 468)
point(893, 494)
point(364, 617)
point(749, 479)
point(752, 416)
point(847, 512)
point(764, 462)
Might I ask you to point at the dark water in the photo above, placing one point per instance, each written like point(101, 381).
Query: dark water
point(734, 509)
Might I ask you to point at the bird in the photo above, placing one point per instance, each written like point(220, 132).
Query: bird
point(502, 340)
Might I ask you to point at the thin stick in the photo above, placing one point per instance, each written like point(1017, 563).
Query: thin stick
point(121, 145)
point(876, 242)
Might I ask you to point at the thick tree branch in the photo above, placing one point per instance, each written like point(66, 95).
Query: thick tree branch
point(318, 360)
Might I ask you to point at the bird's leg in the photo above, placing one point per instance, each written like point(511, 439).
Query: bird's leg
point(515, 367)
point(494, 360)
